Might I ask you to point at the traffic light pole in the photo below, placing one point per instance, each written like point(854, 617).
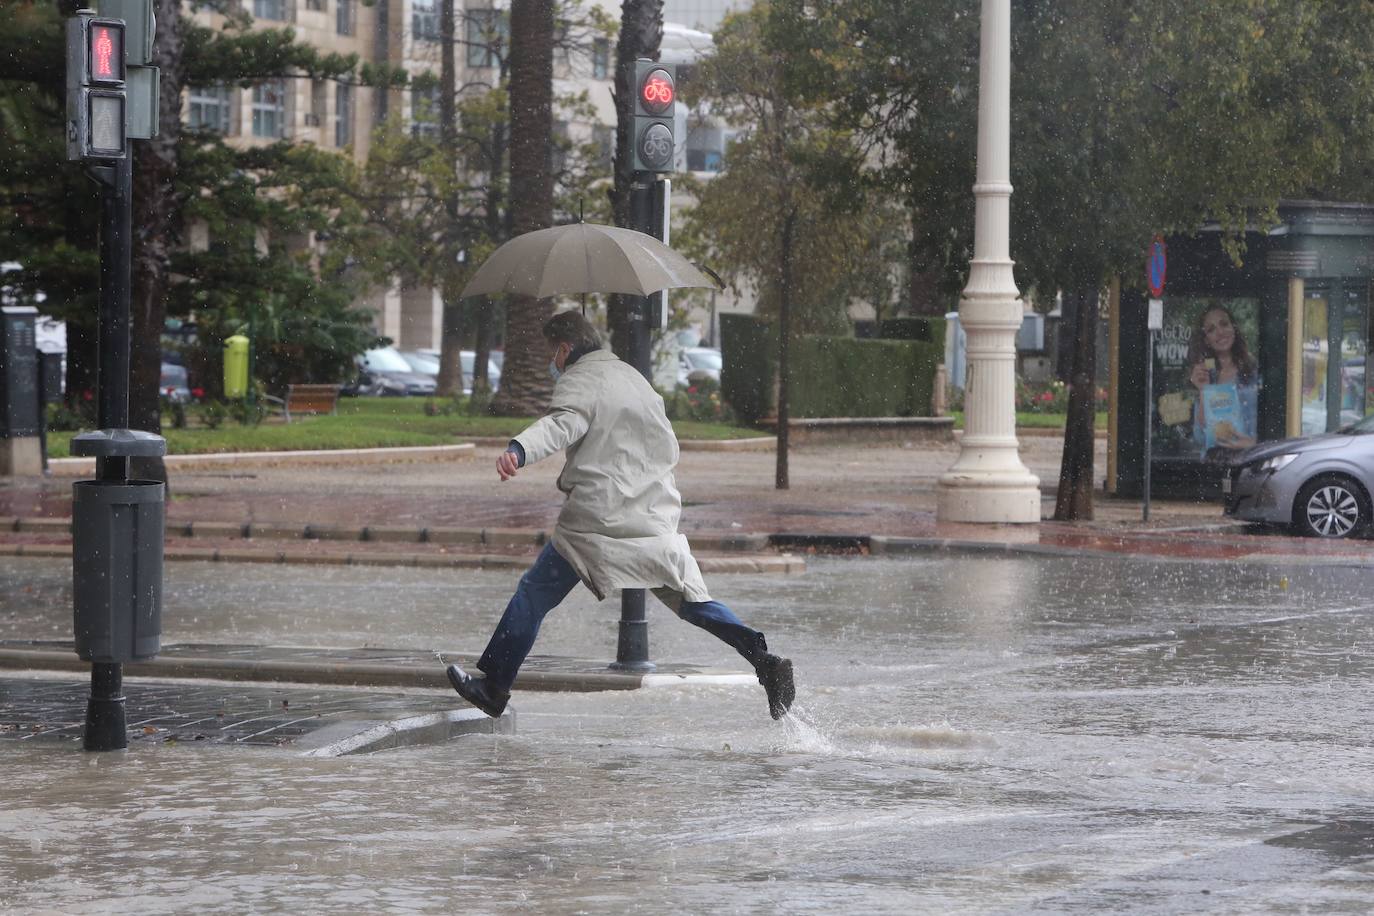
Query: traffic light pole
point(632, 648)
point(118, 524)
point(106, 729)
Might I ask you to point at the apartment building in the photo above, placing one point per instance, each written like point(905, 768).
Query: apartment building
point(400, 33)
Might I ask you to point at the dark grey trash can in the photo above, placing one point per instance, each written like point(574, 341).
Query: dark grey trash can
point(117, 531)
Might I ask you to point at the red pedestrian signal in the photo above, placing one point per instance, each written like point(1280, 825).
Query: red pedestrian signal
point(106, 52)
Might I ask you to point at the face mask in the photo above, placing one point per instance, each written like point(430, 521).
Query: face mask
point(554, 371)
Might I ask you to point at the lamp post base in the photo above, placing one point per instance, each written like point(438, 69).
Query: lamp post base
point(988, 498)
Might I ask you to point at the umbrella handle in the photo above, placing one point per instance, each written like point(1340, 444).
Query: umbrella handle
point(710, 273)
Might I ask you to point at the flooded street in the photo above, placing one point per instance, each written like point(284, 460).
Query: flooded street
point(971, 735)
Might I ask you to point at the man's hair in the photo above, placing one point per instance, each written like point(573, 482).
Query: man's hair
point(571, 328)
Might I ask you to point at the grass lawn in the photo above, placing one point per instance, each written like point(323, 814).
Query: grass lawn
point(365, 423)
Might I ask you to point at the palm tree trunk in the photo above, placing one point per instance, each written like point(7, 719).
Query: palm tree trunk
point(155, 235)
point(525, 384)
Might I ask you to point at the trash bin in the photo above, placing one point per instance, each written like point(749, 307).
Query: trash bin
point(236, 367)
point(117, 532)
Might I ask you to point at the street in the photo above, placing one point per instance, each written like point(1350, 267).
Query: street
point(971, 735)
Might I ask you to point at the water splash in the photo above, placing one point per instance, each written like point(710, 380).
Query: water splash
point(805, 734)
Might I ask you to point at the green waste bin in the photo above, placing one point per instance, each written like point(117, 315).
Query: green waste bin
point(235, 367)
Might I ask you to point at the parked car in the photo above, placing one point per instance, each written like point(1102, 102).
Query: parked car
point(1320, 486)
point(468, 360)
point(383, 371)
point(422, 363)
point(696, 363)
point(174, 384)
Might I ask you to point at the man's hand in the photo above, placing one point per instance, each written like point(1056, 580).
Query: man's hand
point(507, 465)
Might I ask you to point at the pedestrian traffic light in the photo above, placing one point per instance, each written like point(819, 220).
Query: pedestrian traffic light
point(655, 96)
point(96, 94)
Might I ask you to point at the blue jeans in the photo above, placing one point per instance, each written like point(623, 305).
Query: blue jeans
point(544, 586)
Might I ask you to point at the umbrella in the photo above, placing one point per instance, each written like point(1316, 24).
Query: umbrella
point(584, 258)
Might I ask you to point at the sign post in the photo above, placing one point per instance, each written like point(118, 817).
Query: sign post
point(1154, 322)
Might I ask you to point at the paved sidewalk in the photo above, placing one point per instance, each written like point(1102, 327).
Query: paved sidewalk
point(841, 498)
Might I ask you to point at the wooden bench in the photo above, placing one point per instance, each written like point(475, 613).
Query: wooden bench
point(303, 399)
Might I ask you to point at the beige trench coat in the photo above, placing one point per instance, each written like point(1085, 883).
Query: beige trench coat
point(618, 528)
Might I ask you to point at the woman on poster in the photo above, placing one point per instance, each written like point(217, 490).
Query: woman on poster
point(1226, 376)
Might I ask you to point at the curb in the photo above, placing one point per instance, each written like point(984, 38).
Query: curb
point(351, 674)
point(758, 565)
point(751, 444)
point(343, 738)
point(359, 673)
point(74, 466)
point(492, 537)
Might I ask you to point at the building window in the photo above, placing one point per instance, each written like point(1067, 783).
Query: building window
point(210, 109)
point(318, 6)
point(424, 110)
point(270, 9)
point(269, 109)
point(424, 20)
point(558, 149)
point(487, 31)
point(343, 115)
point(601, 59)
point(604, 138)
point(345, 17)
point(319, 103)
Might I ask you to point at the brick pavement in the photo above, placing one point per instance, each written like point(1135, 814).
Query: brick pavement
point(311, 720)
point(839, 494)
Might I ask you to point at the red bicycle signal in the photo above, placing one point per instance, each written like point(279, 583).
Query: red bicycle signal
point(657, 92)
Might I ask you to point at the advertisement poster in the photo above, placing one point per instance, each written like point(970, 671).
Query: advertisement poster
point(1206, 378)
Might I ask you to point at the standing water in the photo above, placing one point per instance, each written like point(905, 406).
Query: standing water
point(971, 735)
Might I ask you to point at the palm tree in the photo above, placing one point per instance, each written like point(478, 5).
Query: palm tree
point(525, 385)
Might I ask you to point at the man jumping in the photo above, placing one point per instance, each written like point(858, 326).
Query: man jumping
point(618, 527)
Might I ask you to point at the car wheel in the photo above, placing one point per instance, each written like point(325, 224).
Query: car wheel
point(1330, 507)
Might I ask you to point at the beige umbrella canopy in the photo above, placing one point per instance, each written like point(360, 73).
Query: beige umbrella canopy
point(584, 258)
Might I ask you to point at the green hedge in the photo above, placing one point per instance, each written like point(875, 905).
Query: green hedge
point(930, 330)
point(831, 376)
point(748, 351)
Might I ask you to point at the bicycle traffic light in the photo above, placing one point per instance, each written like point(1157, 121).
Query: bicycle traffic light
point(655, 95)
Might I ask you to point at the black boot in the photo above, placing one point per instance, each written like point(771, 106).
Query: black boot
point(775, 674)
point(485, 697)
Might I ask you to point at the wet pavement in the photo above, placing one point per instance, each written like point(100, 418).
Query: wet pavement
point(1100, 717)
point(1014, 734)
point(874, 490)
point(999, 734)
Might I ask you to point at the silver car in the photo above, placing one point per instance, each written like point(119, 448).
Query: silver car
point(1320, 486)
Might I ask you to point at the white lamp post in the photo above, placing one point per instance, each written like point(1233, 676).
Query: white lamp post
point(988, 482)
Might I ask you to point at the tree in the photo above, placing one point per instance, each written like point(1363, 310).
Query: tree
point(1128, 119)
point(525, 385)
point(785, 211)
point(188, 55)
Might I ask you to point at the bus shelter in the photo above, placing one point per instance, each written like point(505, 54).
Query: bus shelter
point(1271, 348)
